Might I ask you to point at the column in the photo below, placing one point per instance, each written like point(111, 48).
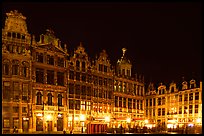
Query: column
point(11, 116)
point(20, 116)
point(45, 76)
point(65, 121)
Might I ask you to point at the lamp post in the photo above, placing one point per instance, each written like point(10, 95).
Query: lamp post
point(82, 119)
point(128, 122)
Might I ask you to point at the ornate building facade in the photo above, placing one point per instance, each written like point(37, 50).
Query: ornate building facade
point(176, 106)
point(47, 89)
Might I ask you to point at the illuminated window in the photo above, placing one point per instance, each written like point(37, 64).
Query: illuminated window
point(6, 123)
point(83, 105)
point(88, 106)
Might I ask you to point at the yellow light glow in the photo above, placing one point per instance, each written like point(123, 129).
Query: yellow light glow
point(198, 120)
point(76, 118)
point(107, 119)
point(82, 117)
point(69, 118)
point(128, 120)
point(146, 121)
point(39, 114)
point(49, 117)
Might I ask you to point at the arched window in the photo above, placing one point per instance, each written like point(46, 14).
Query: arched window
point(49, 98)
point(77, 65)
point(6, 67)
point(15, 67)
point(39, 98)
point(172, 89)
point(59, 100)
point(83, 66)
point(25, 69)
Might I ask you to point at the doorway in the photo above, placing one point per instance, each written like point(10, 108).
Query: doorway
point(49, 125)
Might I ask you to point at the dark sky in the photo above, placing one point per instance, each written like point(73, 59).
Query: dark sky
point(163, 40)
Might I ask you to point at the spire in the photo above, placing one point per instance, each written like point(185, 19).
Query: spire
point(124, 50)
point(33, 40)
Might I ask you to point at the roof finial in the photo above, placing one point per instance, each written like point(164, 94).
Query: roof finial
point(124, 50)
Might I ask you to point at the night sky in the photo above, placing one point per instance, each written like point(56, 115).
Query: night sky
point(163, 40)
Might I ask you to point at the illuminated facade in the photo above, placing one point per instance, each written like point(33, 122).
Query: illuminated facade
point(174, 107)
point(45, 88)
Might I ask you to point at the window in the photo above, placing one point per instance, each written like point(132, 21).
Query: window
point(197, 96)
point(18, 36)
point(15, 67)
point(180, 110)
point(16, 109)
point(83, 105)
point(163, 111)
point(83, 66)
point(77, 65)
point(49, 99)
point(146, 102)
point(109, 94)
point(25, 93)
point(89, 79)
point(163, 100)
point(71, 104)
point(196, 108)
point(191, 97)
point(185, 110)
point(71, 75)
point(60, 78)
point(105, 68)
point(124, 103)
point(9, 34)
point(60, 62)
point(172, 89)
point(116, 101)
point(59, 100)
point(100, 81)
point(50, 77)
point(120, 101)
point(39, 57)
point(129, 103)
point(134, 104)
point(190, 109)
point(78, 89)
point(78, 76)
point(6, 123)
point(88, 106)
point(39, 75)
point(159, 111)
point(83, 90)
point(186, 97)
point(141, 105)
point(105, 81)
point(77, 105)
point(83, 77)
point(89, 91)
point(71, 88)
point(100, 93)
point(150, 102)
point(159, 101)
point(50, 60)
point(95, 80)
point(6, 68)
point(13, 35)
point(24, 110)
point(100, 67)
point(180, 98)
point(154, 101)
point(123, 72)
point(6, 91)
point(39, 98)
point(16, 91)
point(16, 122)
point(138, 104)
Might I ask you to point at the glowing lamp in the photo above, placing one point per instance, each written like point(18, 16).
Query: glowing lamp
point(198, 120)
point(82, 117)
point(146, 121)
point(48, 117)
point(128, 120)
point(107, 119)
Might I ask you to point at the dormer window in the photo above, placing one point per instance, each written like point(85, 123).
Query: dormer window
point(192, 84)
point(184, 85)
point(172, 89)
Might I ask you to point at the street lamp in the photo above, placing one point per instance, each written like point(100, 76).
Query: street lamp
point(82, 119)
